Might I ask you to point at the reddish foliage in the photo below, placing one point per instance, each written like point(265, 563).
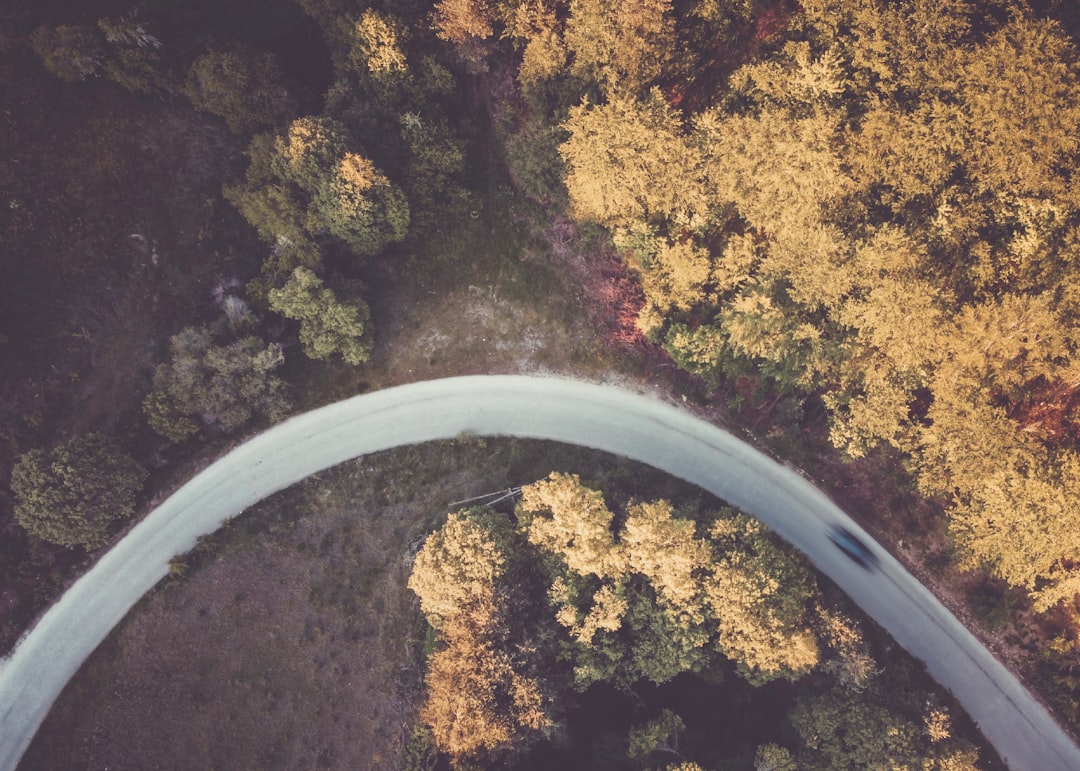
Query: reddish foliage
point(729, 51)
point(621, 300)
point(1050, 410)
point(674, 94)
point(770, 22)
point(746, 386)
point(614, 299)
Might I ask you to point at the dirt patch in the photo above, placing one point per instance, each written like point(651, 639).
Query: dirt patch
point(479, 332)
point(292, 643)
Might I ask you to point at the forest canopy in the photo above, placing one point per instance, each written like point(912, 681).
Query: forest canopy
point(530, 612)
point(877, 208)
point(881, 211)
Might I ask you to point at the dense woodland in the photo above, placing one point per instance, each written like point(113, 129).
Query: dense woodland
point(531, 613)
point(868, 204)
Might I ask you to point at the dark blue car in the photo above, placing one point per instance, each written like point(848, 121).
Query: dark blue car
point(856, 550)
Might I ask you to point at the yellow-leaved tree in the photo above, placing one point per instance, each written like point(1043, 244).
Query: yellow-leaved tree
point(483, 697)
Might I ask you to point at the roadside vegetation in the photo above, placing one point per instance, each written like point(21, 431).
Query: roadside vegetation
point(291, 636)
point(533, 611)
point(849, 229)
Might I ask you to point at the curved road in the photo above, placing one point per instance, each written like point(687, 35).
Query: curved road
point(601, 417)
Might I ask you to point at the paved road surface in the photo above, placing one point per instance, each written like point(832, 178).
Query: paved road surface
point(601, 417)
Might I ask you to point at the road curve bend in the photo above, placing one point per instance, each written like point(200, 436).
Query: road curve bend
point(600, 417)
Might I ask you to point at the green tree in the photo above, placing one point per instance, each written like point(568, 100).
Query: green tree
point(73, 494)
point(571, 520)
point(271, 206)
point(433, 173)
point(665, 640)
point(848, 660)
point(675, 277)
point(121, 48)
point(534, 163)
point(308, 151)
point(308, 183)
point(665, 550)
point(773, 757)
point(68, 51)
point(843, 730)
point(242, 86)
point(545, 55)
point(763, 327)
point(279, 217)
point(1020, 93)
point(358, 204)
point(329, 324)
point(650, 599)
point(378, 48)
point(701, 350)
point(134, 59)
point(460, 21)
point(1010, 490)
point(458, 569)
point(128, 31)
point(659, 736)
point(332, 16)
point(467, 24)
point(220, 386)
